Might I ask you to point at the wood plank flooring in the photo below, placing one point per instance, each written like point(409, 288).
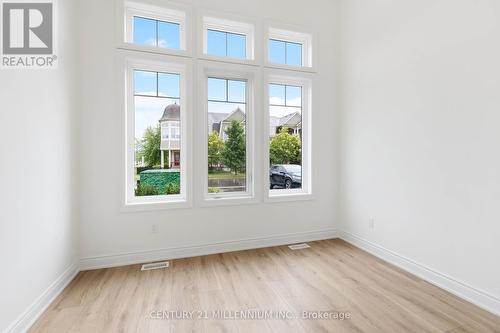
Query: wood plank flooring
point(276, 285)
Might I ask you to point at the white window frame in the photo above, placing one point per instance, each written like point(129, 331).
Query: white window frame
point(305, 81)
point(171, 12)
point(235, 72)
point(207, 21)
point(163, 65)
point(291, 36)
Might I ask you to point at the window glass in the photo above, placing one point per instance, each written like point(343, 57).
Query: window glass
point(226, 44)
point(277, 51)
point(236, 91)
point(144, 31)
point(293, 96)
point(277, 93)
point(145, 83)
point(236, 46)
point(169, 35)
point(156, 33)
point(217, 89)
point(285, 53)
point(168, 85)
point(227, 150)
point(157, 133)
point(285, 137)
point(294, 54)
point(216, 43)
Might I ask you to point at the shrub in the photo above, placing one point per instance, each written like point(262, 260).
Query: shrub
point(173, 188)
point(213, 190)
point(145, 189)
point(160, 179)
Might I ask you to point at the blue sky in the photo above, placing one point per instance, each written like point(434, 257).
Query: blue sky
point(150, 32)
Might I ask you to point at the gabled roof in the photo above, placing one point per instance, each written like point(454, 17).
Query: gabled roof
point(172, 112)
point(291, 120)
point(237, 115)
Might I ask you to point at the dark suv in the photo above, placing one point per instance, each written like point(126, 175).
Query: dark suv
point(285, 176)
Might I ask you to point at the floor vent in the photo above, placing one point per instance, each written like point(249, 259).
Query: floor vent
point(299, 246)
point(155, 265)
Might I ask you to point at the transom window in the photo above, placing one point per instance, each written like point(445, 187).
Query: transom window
point(156, 33)
point(285, 53)
point(228, 39)
point(289, 48)
point(155, 27)
point(226, 44)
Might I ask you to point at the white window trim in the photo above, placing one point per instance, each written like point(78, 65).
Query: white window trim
point(171, 12)
point(227, 71)
point(257, 68)
point(305, 81)
point(150, 62)
point(292, 35)
point(231, 24)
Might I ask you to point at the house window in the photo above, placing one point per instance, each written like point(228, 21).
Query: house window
point(155, 27)
point(155, 117)
point(227, 139)
point(285, 53)
point(228, 39)
point(288, 137)
point(289, 48)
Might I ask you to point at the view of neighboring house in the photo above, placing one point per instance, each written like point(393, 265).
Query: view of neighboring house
point(171, 136)
point(217, 122)
point(292, 121)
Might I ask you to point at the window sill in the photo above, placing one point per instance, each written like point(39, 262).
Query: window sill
point(228, 201)
point(131, 207)
point(286, 196)
point(155, 50)
point(228, 60)
point(304, 69)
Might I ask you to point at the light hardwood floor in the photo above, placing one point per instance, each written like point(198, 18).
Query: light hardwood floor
point(332, 276)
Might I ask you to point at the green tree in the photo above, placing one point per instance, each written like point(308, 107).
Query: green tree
point(215, 149)
point(285, 148)
point(151, 146)
point(234, 152)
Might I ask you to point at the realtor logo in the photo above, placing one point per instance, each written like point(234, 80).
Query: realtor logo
point(28, 34)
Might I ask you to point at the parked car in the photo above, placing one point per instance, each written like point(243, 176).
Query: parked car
point(285, 176)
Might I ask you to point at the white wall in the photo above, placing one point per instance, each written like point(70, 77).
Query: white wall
point(105, 230)
point(420, 132)
point(38, 174)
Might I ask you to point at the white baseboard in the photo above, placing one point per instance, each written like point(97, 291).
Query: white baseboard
point(36, 309)
point(199, 250)
point(480, 298)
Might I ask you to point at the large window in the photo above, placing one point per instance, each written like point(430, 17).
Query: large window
point(285, 136)
point(227, 142)
point(155, 134)
point(244, 136)
point(288, 136)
